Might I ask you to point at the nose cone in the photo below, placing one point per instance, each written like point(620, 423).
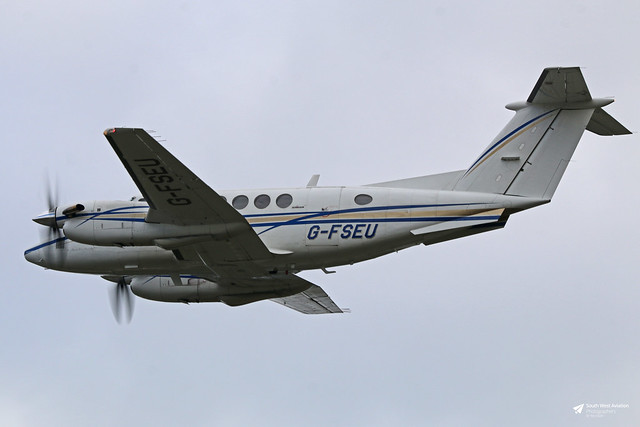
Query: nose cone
point(47, 218)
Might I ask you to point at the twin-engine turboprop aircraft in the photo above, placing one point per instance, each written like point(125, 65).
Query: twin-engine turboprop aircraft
point(184, 242)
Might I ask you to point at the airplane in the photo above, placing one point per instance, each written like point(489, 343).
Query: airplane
point(184, 242)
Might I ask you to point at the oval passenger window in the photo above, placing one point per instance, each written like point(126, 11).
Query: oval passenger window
point(240, 202)
point(284, 200)
point(363, 199)
point(262, 201)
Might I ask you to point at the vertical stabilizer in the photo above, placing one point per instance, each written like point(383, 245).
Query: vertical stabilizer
point(530, 155)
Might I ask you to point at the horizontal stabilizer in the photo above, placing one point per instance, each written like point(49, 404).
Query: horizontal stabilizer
point(602, 123)
point(560, 86)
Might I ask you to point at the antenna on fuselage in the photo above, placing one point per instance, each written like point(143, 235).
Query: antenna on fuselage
point(313, 181)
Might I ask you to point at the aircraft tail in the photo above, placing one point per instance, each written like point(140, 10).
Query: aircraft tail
point(530, 155)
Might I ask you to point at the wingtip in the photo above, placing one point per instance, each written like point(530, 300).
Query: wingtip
point(119, 130)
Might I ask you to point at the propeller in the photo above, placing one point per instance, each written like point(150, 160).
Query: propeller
point(121, 300)
point(53, 219)
point(54, 231)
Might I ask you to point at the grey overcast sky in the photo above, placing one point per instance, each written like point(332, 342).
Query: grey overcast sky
point(513, 327)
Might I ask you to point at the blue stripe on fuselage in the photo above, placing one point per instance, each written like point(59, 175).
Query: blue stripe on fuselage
point(304, 220)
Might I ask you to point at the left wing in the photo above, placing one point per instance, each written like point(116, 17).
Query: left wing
point(177, 196)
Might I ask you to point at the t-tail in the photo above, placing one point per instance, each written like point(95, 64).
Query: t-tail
point(530, 155)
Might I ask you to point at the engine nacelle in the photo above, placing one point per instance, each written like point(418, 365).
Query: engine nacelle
point(163, 288)
point(194, 289)
point(132, 233)
point(126, 226)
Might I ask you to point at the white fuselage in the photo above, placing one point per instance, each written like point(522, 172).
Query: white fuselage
point(305, 228)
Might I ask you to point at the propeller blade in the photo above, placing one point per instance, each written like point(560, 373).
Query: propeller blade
point(52, 194)
point(55, 251)
point(122, 303)
point(128, 303)
point(115, 302)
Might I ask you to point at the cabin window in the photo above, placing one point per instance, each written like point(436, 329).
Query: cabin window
point(363, 199)
point(240, 202)
point(262, 201)
point(284, 200)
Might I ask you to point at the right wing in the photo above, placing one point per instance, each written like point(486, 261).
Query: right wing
point(287, 289)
